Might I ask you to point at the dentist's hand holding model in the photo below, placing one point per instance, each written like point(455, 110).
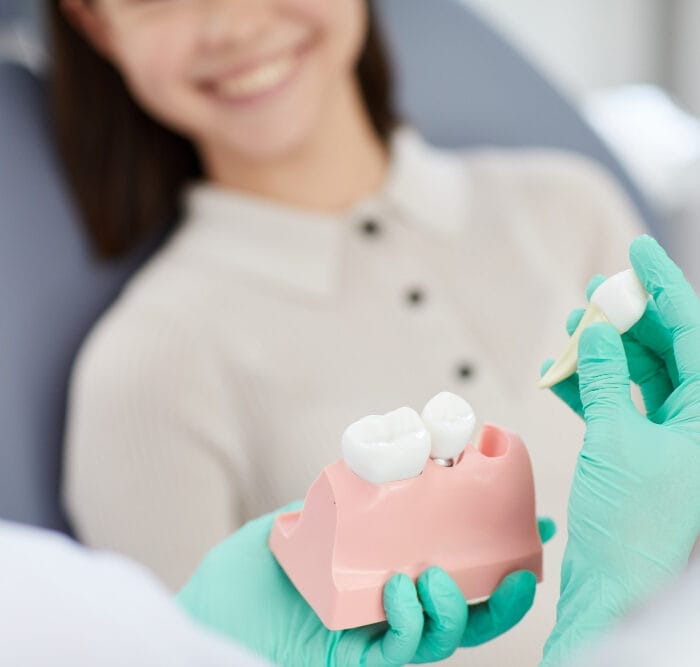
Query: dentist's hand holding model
point(634, 515)
point(241, 591)
point(634, 509)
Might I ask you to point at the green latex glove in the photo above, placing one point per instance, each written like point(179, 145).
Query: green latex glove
point(649, 350)
point(241, 591)
point(634, 509)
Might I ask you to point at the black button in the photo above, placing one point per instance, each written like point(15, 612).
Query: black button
point(465, 371)
point(371, 227)
point(415, 296)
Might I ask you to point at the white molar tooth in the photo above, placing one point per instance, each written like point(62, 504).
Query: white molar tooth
point(450, 420)
point(622, 298)
point(387, 448)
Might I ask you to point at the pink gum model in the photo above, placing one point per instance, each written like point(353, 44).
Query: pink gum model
point(475, 519)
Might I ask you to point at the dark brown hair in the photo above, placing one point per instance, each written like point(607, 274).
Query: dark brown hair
point(125, 169)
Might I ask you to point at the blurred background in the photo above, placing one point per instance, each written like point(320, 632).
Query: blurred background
point(632, 67)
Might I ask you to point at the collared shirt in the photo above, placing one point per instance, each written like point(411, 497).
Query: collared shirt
point(219, 384)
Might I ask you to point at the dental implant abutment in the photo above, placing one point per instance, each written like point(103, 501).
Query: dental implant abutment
point(396, 446)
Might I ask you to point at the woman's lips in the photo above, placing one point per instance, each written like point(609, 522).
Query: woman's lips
point(260, 80)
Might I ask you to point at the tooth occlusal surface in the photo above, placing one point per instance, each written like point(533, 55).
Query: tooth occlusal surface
point(387, 448)
point(450, 420)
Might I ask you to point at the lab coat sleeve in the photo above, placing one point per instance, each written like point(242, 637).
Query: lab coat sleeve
point(149, 468)
point(65, 606)
point(665, 632)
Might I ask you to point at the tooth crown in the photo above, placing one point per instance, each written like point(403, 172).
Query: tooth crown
point(387, 448)
point(622, 298)
point(476, 520)
point(450, 421)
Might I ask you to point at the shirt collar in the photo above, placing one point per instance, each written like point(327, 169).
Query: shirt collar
point(302, 249)
point(427, 186)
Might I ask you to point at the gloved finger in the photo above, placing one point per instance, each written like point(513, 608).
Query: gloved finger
point(575, 315)
point(566, 390)
point(504, 609)
point(604, 380)
point(250, 530)
point(445, 615)
point(289, 507)
point(547, 528)
point(574, 318)
point(649, 331)
point(675, 299)
point(649, 372)
point(646, 368)
point(593, 284)
point(653, 334)
point(404, 615)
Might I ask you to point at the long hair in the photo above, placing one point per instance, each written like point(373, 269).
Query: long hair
point(125, 169)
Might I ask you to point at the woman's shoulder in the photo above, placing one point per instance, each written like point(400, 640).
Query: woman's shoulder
point(566, 205)
point(551, 203)
point(554, 173)
point(155, 319)
point(540, 183)
point(556, 191)
point(551, 168)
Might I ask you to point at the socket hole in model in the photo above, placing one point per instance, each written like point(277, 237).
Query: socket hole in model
point(494, 442)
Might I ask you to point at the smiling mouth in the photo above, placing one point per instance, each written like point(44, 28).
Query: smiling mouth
point(260, 80)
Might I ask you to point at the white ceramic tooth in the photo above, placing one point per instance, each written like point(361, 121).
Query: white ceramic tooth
point(387, 448)
point(450, 420)
point(620, 300)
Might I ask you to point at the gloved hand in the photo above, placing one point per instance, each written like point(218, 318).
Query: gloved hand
point(649, 350)
point(634, 509)
point(241, 591)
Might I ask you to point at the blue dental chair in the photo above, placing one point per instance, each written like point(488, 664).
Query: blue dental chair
point(51, 290)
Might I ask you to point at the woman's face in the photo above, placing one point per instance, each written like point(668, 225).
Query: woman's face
point(253, 77)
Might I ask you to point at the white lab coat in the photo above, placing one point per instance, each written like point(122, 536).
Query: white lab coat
point(63, 605)
point(665, 632)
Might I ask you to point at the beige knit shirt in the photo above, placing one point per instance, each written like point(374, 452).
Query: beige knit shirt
point(218, 385)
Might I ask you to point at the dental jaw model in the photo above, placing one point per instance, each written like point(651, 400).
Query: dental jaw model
point(620, 301)
point(411, 492)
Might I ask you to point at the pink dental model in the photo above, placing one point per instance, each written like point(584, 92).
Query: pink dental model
point(411, 493)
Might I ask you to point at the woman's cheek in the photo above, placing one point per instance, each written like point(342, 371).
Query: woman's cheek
point(342, 23)
point(156, 72)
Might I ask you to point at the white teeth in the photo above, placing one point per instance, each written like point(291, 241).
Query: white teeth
point(387, 448)
point(622, 298)
point(450, 420)
point(258, 80)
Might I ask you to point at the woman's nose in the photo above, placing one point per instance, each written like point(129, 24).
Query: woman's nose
point(234, 22)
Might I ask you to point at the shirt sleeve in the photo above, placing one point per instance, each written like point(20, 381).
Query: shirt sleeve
point(615, 221)
point(148, 469)
point(61, 604)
